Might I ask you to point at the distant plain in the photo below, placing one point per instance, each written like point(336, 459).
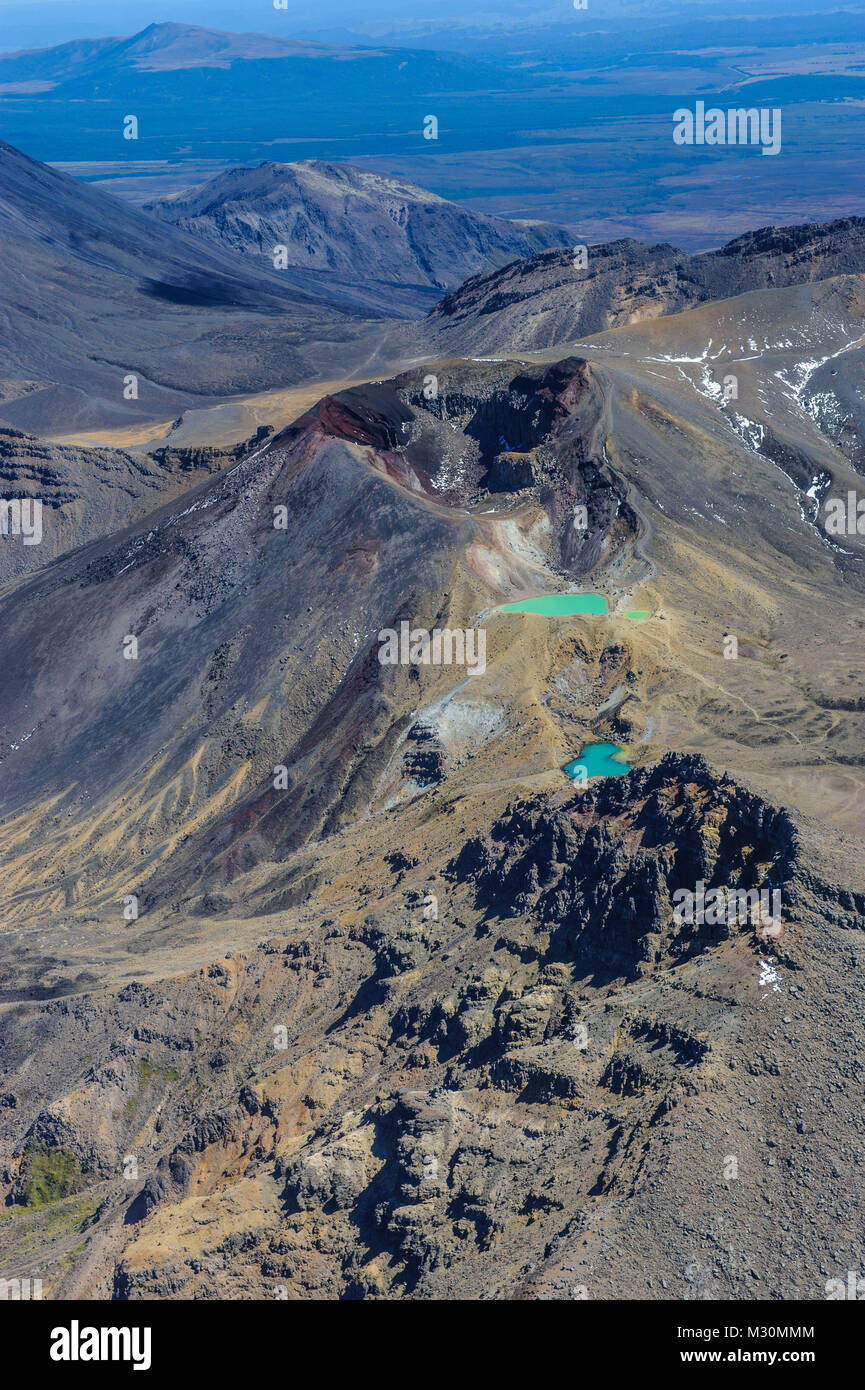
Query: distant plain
point(569, 122)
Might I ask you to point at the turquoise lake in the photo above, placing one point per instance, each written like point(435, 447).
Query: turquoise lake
point(557, 605)
point(598, 760)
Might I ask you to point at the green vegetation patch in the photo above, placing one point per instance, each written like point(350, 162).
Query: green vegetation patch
point(147, 1072)
point(51, 1175)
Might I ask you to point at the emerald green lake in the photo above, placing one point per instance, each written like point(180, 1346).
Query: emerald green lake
point(598, 761)
point(558, 605)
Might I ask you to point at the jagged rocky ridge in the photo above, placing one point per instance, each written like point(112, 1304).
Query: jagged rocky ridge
point(601, 874)
point(550, 298)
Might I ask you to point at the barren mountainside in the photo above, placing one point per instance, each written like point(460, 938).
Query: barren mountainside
point(110, 315)
point(355, 223)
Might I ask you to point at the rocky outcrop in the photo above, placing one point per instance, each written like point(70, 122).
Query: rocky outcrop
point(601, 873)
point(467, 1101)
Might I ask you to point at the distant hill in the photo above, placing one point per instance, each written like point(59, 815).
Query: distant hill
point(202, 91)
point(158, 48)
point(550, 299)
point(355, 223)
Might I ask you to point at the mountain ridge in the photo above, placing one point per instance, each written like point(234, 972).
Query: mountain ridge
point(157, 47)
point(552, 298)
point(348, 220)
